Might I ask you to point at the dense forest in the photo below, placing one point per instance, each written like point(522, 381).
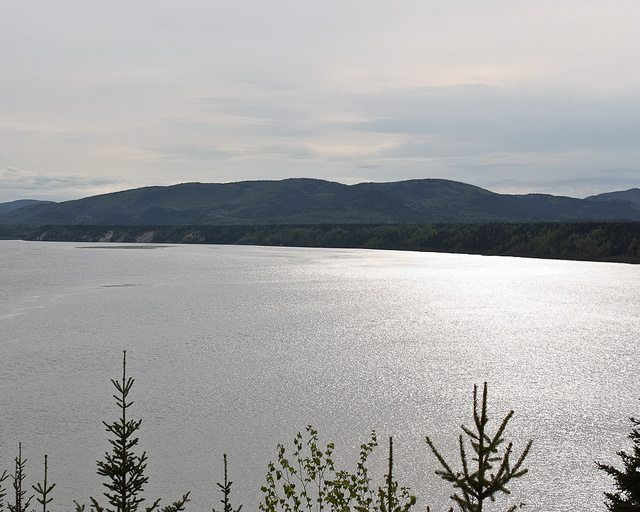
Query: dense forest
point(591, 241)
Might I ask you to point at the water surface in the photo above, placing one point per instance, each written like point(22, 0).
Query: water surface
point(235, 349)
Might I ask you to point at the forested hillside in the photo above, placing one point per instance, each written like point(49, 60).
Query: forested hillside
point(310, 201)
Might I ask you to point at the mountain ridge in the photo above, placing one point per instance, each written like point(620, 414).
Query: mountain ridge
point(20, 203)
point(315, 201)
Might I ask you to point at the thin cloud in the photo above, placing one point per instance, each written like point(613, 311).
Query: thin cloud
point(243, 107)
point(294, 151)
point(192, 152)
point(46, 185)
point(363, 165)
point(506, 119)
point(575, 187)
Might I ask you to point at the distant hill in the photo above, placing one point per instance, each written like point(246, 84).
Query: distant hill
point(632, 195)
point(311, 201)
point(20, 203)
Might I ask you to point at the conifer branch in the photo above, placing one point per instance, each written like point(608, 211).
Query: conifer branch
point(626, 480)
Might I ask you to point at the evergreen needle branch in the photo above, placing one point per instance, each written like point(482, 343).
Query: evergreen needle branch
point(491, 472)
point(626, 497)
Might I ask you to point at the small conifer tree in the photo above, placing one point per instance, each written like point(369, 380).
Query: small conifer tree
point(490, 473)
point(44, 489)
point(123, 468)
point(21, 503)
point(226, 491)
point(627, 480)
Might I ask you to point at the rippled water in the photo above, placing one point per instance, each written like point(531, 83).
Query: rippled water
point(235, 349)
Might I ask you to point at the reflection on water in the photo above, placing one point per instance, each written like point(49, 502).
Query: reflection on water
point(235, 349)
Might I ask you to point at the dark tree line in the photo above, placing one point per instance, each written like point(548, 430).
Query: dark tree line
point(592, 241)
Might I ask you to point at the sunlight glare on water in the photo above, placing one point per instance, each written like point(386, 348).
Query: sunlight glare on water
point(235, 349)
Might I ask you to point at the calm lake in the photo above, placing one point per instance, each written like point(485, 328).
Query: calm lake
point(236, 349)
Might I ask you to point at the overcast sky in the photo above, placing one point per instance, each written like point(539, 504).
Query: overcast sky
point(513, 96)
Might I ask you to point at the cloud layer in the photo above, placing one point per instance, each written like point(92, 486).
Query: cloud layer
point(516, 97)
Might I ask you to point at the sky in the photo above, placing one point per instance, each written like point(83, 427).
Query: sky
point(516, 97)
